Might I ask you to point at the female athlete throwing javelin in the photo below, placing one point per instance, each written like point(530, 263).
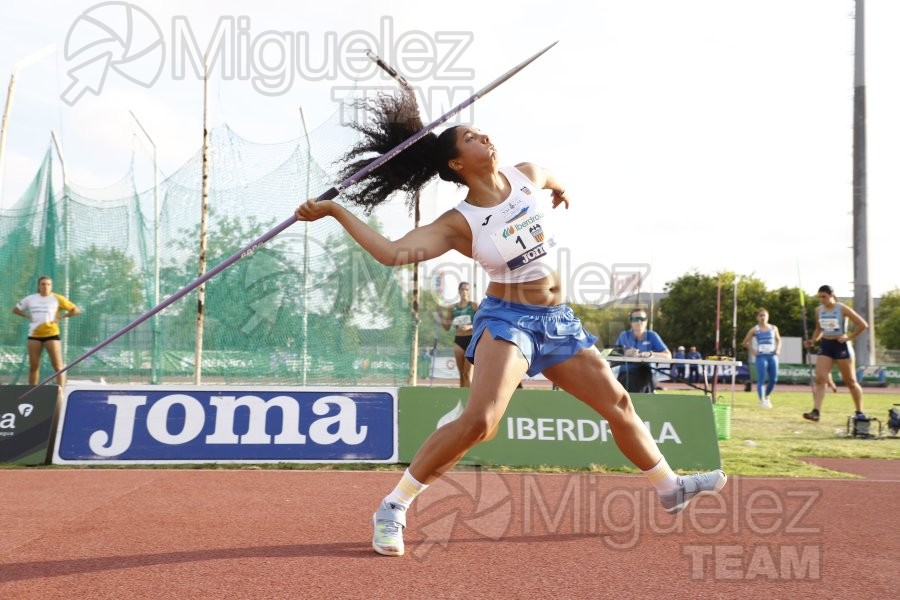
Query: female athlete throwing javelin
point(522, 326)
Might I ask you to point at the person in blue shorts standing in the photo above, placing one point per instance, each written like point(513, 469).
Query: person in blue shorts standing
point(835, 347)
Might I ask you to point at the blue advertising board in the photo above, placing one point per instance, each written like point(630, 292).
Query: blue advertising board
point(202, 424)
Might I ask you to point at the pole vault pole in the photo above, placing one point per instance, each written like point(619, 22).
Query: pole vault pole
point(715, 380)
point(734, 338)
point(812, 383)
point(329, 194)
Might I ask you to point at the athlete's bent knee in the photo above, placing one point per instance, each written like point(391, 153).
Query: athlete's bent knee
point(620, 410)
point(474, 430)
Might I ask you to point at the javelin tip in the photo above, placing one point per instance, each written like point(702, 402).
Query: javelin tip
point(512, 71)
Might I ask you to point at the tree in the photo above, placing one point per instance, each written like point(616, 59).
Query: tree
point(19, 257)
point(887, 320)
point(106, 287)
point(253, 303)
point(786, 312)
point(367, 304)
point(687, 315)
point(430, 331)
point(605, 322)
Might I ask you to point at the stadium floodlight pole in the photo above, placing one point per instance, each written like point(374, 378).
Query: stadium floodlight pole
point(329, 194)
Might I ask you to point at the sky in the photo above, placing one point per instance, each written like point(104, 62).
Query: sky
point(705, 135)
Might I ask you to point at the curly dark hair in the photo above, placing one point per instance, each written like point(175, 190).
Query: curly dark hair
point(387, 121)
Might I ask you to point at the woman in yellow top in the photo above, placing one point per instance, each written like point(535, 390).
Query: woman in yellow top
point(44, 311)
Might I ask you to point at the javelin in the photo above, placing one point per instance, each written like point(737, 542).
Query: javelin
point(327, 195)
point(392, 71)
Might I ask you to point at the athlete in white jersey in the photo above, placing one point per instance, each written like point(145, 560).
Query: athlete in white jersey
point(522, 326)
point(44, 311)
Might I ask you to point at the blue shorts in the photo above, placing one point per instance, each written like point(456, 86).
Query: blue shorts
point(546, 335)
point(835, 349)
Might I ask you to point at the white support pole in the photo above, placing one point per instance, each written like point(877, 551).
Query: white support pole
point(67, 231)
point(154, 351)
point(3, 124)
point(204, 206)
point(30, 59)
point(305, 320)
point(414, 351)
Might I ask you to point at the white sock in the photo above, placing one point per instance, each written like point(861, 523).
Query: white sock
point(662, 477)
point(406, 491)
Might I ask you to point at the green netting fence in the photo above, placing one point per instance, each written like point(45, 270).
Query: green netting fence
point(309, 307)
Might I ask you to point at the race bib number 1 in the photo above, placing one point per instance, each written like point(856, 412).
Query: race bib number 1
point(521, 243)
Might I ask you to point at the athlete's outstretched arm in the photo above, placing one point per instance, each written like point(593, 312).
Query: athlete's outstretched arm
point(422, 243)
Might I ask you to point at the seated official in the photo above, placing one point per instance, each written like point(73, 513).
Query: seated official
point(639, 342)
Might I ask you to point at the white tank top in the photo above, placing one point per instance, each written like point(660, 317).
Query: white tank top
point(514, 241)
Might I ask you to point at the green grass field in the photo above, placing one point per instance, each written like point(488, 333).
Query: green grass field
point(770, 442)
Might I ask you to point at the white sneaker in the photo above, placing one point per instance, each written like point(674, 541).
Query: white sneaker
point(765, 403)
point(389, 521)
point(691, 486)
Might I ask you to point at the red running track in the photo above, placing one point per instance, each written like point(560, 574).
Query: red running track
point(130, 533)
